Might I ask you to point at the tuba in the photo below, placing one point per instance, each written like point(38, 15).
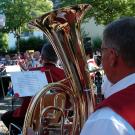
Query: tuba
point(62, 28)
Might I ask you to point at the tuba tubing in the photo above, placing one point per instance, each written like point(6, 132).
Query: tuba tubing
point(62, 28)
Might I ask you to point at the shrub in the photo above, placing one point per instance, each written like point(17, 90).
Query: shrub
point(96, 43)
point(32, 43)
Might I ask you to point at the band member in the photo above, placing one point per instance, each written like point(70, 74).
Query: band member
point(116, 114)
point(53, 74)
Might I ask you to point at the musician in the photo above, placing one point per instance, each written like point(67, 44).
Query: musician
point(53, 74)
point(116, 114)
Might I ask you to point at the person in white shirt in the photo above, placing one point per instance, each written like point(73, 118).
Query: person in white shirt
point(37, 59)
point(116, 114)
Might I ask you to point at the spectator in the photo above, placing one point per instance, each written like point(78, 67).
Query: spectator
point(90, 60)
point(8, 60)
point(36, 59)
point(10, 91)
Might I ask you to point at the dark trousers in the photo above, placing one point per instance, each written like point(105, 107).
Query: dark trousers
point(8, 118)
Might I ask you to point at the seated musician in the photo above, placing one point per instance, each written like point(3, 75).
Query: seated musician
point(49, 60)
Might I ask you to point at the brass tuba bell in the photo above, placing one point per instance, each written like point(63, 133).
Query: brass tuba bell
point(62, 28)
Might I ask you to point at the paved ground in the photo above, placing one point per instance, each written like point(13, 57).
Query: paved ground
point(6, 105)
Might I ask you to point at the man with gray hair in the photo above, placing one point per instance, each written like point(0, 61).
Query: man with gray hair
point(116, 114)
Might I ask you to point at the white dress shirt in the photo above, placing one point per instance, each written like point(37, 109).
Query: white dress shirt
point(107, 122)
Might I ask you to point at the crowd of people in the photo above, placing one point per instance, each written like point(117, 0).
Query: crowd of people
point(26, 60)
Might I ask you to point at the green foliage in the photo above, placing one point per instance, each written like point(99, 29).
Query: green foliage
point(3, 42)
point(19, 12)
point(12, 51)
point(105, 11)
point(33, 43)
point(96, 43)
point(87, 42)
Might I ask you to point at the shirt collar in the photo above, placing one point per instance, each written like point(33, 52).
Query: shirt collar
point(120, 85)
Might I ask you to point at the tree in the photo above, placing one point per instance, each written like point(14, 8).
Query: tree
point(32, 43)
point(19, 12)
point(3, 42)
point(105, 11)
point(96, 43)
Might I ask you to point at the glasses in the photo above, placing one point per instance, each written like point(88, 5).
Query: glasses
point(105, 48)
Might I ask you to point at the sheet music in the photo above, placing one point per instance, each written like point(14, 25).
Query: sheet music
point(28, 83)
point(13, 68)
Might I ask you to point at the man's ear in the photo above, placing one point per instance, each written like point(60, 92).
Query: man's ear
point(113, 57)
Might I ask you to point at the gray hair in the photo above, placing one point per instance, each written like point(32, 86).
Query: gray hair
point(120, 35)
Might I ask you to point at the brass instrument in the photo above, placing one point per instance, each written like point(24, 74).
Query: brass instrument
point(62, 28)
